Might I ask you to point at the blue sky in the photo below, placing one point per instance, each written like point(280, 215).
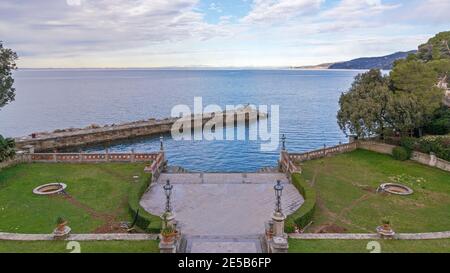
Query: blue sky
point(237, 33)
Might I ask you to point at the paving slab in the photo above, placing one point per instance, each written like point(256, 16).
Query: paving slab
point(222, 204)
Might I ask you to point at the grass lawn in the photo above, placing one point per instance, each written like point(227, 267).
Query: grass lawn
point(360, 246)
point(98, 196)
point(347, 200)
point(85, 247)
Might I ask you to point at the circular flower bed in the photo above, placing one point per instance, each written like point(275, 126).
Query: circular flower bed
point(51, 188)
point(394, 188)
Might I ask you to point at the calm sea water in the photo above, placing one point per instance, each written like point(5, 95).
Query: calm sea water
point(308, 100)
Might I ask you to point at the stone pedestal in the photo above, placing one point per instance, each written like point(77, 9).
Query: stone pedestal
point(276, 238)
point(61, 234)
point(168, 247)
point(278, 224)
point(279, 245)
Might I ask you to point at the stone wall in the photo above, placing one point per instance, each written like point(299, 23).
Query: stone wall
point(377, 147)
point(430, 160)
point(327, 151)
point(69, 138)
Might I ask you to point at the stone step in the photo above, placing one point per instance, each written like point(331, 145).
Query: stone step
point(223, 244)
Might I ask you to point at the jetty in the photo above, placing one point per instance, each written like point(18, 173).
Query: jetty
point(95, 134)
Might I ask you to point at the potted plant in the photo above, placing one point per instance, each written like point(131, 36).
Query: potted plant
point(385, 230)
point(61, 224)
point(386, 223)
point(168, 234)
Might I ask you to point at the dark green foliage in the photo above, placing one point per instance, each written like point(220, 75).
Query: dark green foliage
point(436, 48)
point(363, 108)
point(400, 153)
point(440, 124)
point(144, 220)
point(403, 102)
point(6, 148)
point(303, 216)
point(7, 65)
point(439, 145)
point(408, 143)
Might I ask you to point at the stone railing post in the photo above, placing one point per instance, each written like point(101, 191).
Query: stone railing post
point(133, 156)
point(107, 155)
point(433, 160)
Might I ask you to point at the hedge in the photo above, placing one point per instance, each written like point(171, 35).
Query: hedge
point(304, 214)
point(439, 145)
point(401, 153)
point(146, 221)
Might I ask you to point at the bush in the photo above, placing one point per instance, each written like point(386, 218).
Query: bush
point(409, 143)
point(145, 221)
point(7, 150)
point(304, 214)
point(401, 153)
point(440, 123)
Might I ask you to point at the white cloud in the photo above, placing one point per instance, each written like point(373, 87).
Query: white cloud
point(269, 10)
point(358, 8)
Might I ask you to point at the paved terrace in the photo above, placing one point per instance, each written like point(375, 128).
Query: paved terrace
point(224, 204)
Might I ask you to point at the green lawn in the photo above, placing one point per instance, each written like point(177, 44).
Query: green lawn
point(346, 185)
point(99, 196)
point(85, 247)
point(360, 246)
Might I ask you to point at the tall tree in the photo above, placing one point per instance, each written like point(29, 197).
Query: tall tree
point(7, 65)
point(363, 108)
point(414, 84)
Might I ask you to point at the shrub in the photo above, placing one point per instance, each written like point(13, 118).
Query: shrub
point(304, 214)
point(7, 146)
point(440, 123)
point(146, 221)
point(408, 143)
point(401, 153)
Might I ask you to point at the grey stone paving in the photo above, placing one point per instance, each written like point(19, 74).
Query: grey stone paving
point(224, 244)
point(222, 204)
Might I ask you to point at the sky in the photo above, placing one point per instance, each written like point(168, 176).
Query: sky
point(216, 33)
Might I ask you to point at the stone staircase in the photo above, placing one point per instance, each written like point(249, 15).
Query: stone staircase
point(222, 244)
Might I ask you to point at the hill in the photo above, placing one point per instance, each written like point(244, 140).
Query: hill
point(383, 62)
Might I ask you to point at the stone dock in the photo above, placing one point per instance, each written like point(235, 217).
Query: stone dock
point(94, 134)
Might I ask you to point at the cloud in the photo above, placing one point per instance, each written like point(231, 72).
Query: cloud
point(358, 8)
point(270, 10)
point(63, 28)
point(429, 11)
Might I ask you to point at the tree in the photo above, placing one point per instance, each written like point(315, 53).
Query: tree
point(364, 107)
point(414, 85)
point(7, 65)
point(6, 148)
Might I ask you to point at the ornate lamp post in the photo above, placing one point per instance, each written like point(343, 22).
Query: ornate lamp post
point(283, 142)
point(161, 144)
point(168, 191)
point(278, 192)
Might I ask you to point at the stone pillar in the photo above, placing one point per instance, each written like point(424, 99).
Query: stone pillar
point(170, 247)
point(277, 241)
point(433, 159)
point(278, 224)
point(107, 155)
point(133, 158)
